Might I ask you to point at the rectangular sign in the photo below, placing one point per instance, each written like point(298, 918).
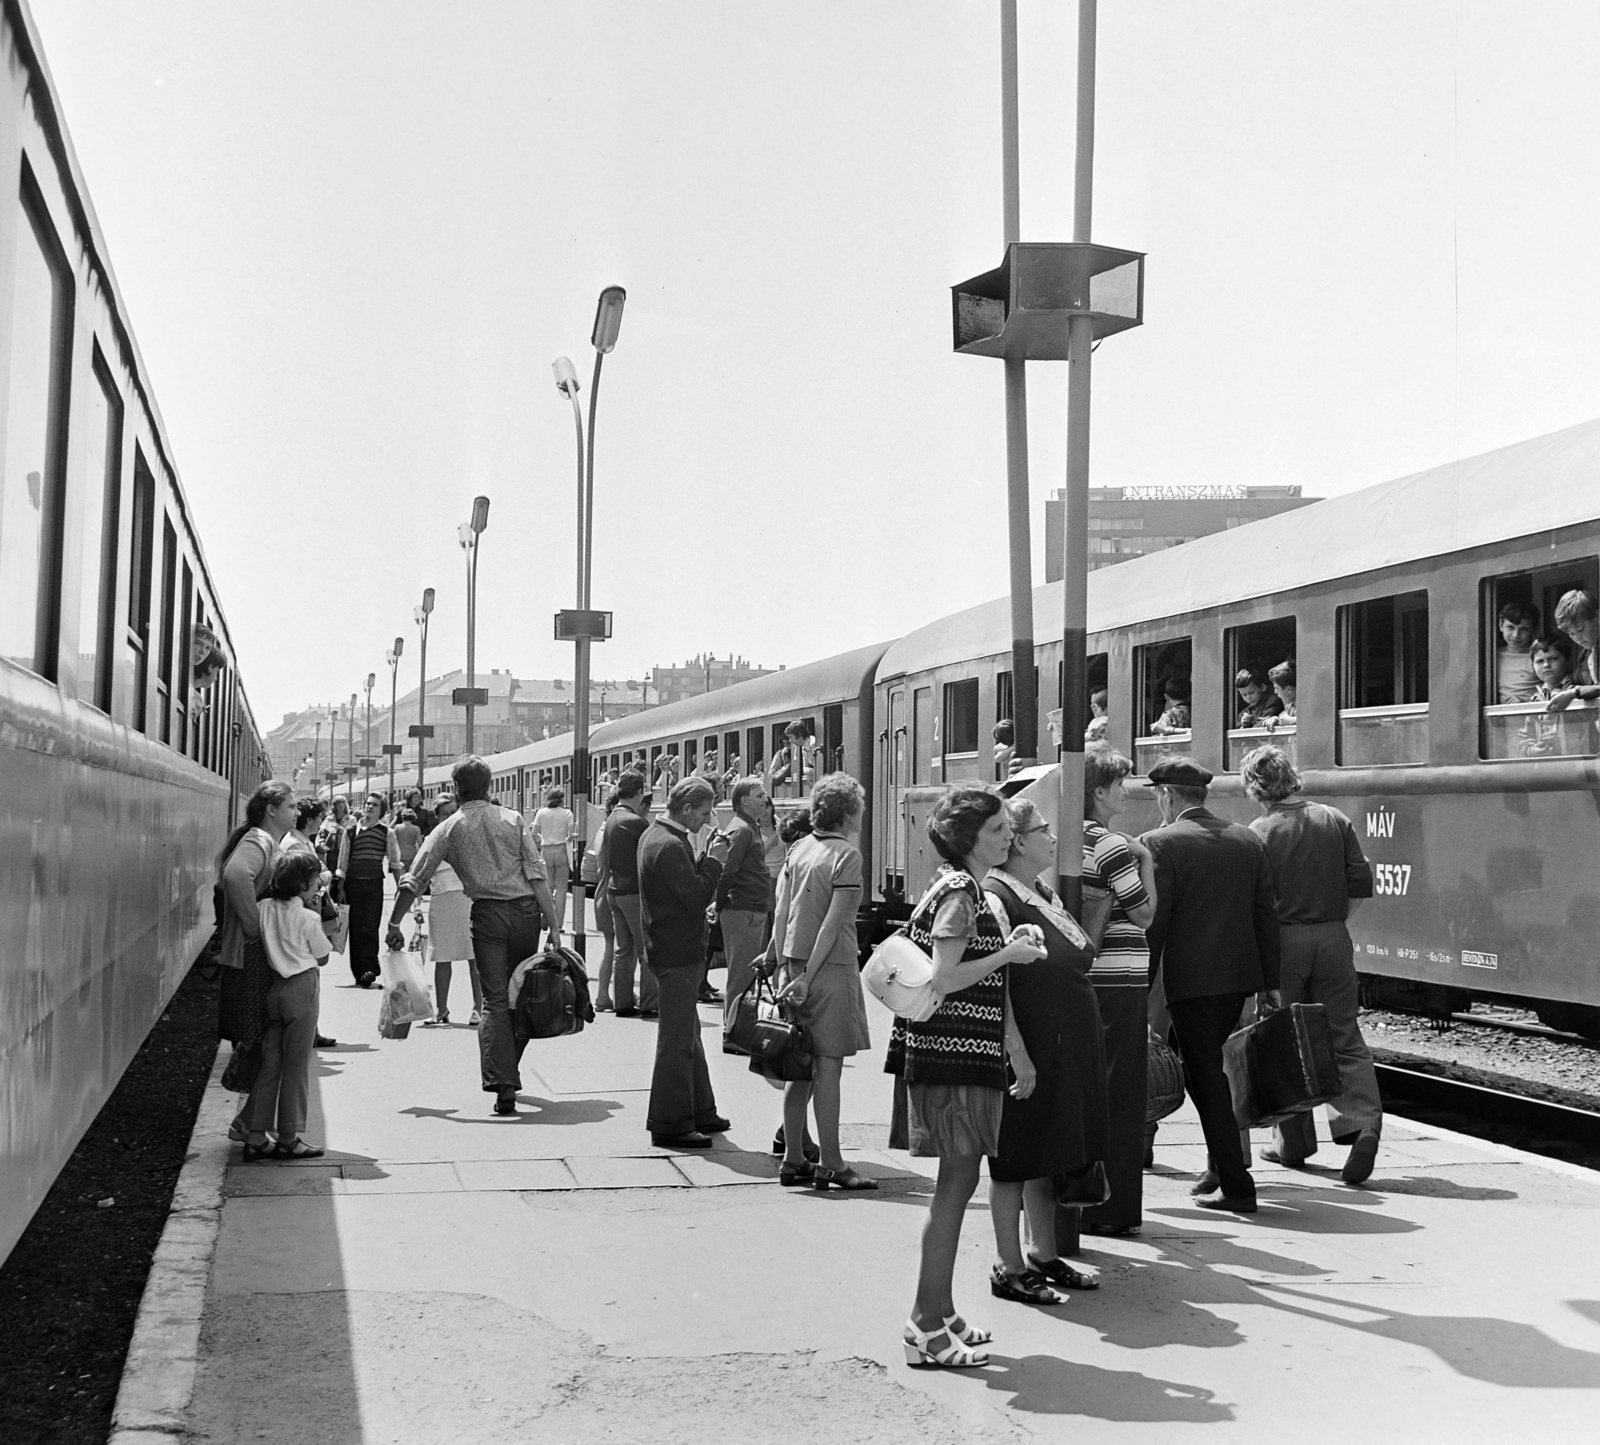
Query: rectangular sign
point(576, 625)
point(469, 697)
point(392, 748)
point(369, 762)
point(1473, 959)
point(422, 730)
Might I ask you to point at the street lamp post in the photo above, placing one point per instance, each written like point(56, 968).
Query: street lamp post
point(469, 534)
point(422, 731)
point(366, 736)
point(350, 750)
point(316, 756)
point(607, 323)
point(392, 747)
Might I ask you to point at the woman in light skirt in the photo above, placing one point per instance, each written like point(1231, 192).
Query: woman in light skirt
point(450, 932)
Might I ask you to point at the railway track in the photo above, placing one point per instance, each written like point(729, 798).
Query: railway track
point(1557, 1131)
point(1514, 1026)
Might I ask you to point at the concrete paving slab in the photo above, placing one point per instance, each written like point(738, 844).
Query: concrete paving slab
point(1452, 1297)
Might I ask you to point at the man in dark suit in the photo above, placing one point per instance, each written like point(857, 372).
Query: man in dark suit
point(1214, 939)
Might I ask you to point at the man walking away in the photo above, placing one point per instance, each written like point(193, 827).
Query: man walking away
point(494, 854)
point(1317, 869)
point(744, 891)
point(619, 876)
point(674, 892)
point(1214, 939)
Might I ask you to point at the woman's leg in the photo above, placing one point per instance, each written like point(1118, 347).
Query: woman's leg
point(441, 983)
point(1005, 1210)
point(1039, 1200)
point(826, 1075)
point(607, 962)
point(796, 1095)
point(941, 1238)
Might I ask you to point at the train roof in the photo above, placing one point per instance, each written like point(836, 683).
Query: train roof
point(793, 690)
point(1522, 490)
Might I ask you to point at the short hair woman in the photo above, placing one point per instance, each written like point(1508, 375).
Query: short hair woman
point(952, 1067)
point(450, 931)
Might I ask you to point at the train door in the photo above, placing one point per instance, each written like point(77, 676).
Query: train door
point(895, 766)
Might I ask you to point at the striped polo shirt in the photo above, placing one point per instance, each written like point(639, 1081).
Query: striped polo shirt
point(1108, 862)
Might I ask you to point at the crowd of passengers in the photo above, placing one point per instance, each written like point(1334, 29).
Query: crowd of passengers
point(1556, 668)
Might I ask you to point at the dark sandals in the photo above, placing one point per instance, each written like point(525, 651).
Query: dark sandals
point(846, 1179)
point(1027, 1288)
point(792, 1174)
point(1058, 1271)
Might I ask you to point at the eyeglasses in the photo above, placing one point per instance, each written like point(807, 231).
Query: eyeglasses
point(1042, 828)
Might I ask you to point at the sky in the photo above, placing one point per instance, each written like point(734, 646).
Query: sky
point(352, 238)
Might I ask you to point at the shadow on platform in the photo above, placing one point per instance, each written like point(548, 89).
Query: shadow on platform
point(1046, 1385)
point(557, 1112)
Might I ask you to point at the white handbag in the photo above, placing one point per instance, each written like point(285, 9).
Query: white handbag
point(900, 976)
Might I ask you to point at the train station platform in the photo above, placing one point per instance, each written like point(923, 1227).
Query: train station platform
point(446, 1275)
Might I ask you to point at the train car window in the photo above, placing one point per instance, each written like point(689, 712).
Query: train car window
point(138, 631)
point(1254, 710)
point(730, 751)
point(1528, 659)
point(99, 488)
point(1383, 682)
point(691, 756)
point(755, 755)
point(960, 727)
point(708, 747)
point(1161, 701)
point(30, 492)
point(185, 661)
point(1005, 697)
point(832, 759)
point(164, 653)
point(921, 736)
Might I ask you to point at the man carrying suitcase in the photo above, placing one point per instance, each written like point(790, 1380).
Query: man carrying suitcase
point(1214, 941)
point(1317, 868)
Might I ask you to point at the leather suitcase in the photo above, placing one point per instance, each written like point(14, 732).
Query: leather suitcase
point(1281, 1064)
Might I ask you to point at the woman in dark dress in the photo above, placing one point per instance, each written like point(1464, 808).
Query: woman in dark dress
point(1053, 1119)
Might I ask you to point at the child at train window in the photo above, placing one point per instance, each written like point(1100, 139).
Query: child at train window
point(1544, 734)
point(1004, 734)
point(1519, 623)
point(1285, 685)
point(1257, 700)
point(1576, 616)
point(1100, 718)
point(1175, 718)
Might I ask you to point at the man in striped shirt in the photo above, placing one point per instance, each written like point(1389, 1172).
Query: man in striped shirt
point(1121, 867)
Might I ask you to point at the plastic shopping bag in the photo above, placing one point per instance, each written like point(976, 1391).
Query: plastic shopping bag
point(338, 929)
point(405, 992)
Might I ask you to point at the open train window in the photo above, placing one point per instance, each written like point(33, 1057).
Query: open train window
point(1097, 700)
point(1255, 710)
point(691, 756)
point(99, 486)
point(755, 754)
point(1162, 699)
point(1527, 658)
point(960, 729)
point(138, 630)
point(832, 758)
point(1383, 682)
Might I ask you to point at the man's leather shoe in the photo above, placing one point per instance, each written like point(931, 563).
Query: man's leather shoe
point(506, 1103)
point(1289, 1161)
point(1363, 1154)
point(710, 995)
point(718, 1125)
point(1232, 1204)
point(649, 1013)
point(627, 1013)
point(1207, 1183)
point(322, 1041)
point(694, 1139)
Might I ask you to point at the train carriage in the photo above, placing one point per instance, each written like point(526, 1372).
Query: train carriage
point(1479, 814)
point(126, 741)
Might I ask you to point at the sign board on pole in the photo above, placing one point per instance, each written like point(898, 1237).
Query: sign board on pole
point(392, 748)
point(423, 730)
point(577, 624)
point(468, 697)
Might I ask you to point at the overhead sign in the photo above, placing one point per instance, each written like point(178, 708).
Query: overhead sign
point(582, 625)
point(392, 748)
point(368, 762)
point(466, 697)
point(424, 730)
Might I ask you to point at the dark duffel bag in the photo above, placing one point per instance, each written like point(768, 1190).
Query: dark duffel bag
point(549, 995)
point(1281, 1064)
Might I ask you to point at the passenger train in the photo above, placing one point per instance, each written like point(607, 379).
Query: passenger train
point(126, 740)
point(1482, 818)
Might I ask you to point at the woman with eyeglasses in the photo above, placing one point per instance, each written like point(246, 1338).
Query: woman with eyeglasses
point(1122, 867)
point(1053, 1115)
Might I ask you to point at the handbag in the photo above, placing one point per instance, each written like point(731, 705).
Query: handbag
point(900, 976)
point(1163, 1093)
point(739, 1031)
point(1084, 1188)
point(782, 1051)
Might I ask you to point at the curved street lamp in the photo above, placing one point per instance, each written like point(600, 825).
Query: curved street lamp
point(366, 736)
point(607, 324)
point(420, 615)
point(468, 533)
point(350, 751)
point(392, 747)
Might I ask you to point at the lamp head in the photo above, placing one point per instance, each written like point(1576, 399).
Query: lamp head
point(352, 702)
point(372, 679)
point(464, 534)
point(399, 647)
point(427, 600)
point(566, 376)
point(480, 513)
point(608, 319)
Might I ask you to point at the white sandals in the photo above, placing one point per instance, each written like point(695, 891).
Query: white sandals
point(956, 1356)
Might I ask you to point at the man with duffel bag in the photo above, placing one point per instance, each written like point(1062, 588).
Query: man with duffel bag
point(1317, 869)
point(1214, 941)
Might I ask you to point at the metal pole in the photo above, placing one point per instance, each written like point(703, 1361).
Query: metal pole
point(1024, 692)
point(366, 736)
point(394, 707)
point(580, 741)
point(422, 703)
point(472, 632)
point(316, 758)
point(1075, 509)
point(350, 750)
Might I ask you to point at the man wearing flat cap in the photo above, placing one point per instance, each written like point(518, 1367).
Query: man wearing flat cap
point(1215, 940)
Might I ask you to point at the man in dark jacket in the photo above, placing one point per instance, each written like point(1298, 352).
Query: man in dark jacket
point(674, 891)
point(1214, 939)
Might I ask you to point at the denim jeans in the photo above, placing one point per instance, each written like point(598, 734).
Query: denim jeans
point(504, 932)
